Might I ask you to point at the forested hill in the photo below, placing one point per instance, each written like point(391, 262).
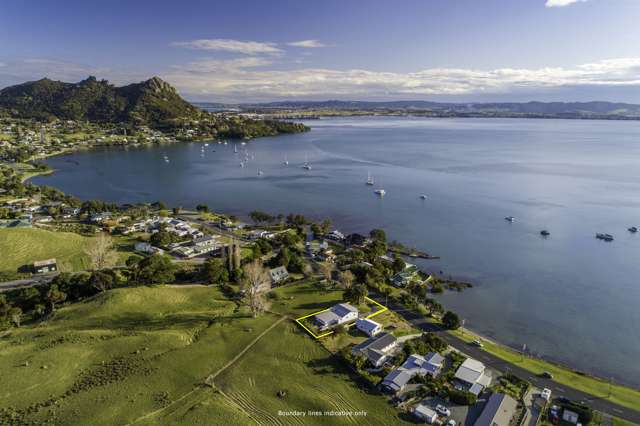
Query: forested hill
point(150, 102)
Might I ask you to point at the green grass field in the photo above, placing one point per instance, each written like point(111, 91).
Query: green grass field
point(619, 394)
point(142, 355)
point(22, 246)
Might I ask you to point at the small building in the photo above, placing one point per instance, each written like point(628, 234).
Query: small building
point(278, 274)
point(423, 412)
point(376, 349)
point(498, 411)
point(396, 380)
point(368, 327)
point(338, 314)
point(472, 376)
point(570, 416)
point(147, 248)
point(335, 235)
point(207, 241)
point(45, 266)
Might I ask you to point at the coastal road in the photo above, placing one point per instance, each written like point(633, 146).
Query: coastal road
point(599, 403)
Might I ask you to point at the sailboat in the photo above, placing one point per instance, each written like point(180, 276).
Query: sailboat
point(260, 172)
point(369, 179)
point(286, 162)
point(306, 165)
point(235, 148)
point(380, 192)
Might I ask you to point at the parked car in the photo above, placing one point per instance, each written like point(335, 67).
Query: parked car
point(546, 394)
point(477, 343)
point(442, 410)
point(546, 375)
point(451, 422)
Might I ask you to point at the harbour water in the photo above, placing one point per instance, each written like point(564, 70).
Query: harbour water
point(569, 297)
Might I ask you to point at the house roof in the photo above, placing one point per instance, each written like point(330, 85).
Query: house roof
point(434, 358)
point(367, 324)
point(498, 411)
point(471, 371)
point(278, 272)
point(327, 317)
point(342, 309)
point(397, 378)
point(423, 410)
point(378, 342)
point(47, 262)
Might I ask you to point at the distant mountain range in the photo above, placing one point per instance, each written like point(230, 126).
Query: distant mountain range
point(150, 102)
point(594, 109)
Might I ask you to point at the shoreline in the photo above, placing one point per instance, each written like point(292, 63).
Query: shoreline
point(551, 361)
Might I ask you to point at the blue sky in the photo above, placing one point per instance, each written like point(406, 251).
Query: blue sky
point(453, 50)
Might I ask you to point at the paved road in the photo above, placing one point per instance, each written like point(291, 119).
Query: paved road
point(27, 282)
point(599, 403)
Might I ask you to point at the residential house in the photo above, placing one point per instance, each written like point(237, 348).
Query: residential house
point(147, 248)
point(335, 235)
point(45, 266)
point(415, 365)
point(498, 411)
point(100, 217)
point(570, 416)
point(338, 314)
point(472, 376)
point(278, 274)
point(355, 240)
point(377, 349)
point(423, 412)
point(369, 327)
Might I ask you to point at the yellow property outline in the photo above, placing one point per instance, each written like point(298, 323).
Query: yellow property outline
point(318, 336)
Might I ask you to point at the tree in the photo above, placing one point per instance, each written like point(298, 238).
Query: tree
point(15, 314)
point(53, 296)
point(398, 264)
point(261, 217)
point(387, 291)
point(101, 281)
point(176, 211)
point(451, 320)
point(101, 252)
point(215, 271)
point(255, 283)
point(162, 238)
point(203, 208)
point(356, 294)
point(346, 279)
point(378, 235)
point(326, 268)
point(155, 269)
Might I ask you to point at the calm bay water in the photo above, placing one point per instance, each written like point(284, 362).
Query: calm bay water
point(569, 297)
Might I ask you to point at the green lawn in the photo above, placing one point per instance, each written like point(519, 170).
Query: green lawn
point(23, 246)
point(619, 394)
point(141, 355)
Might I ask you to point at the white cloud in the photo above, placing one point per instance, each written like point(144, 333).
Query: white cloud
point(306, 43)
point(561, 3)
point(227, 45)
point(237, 80)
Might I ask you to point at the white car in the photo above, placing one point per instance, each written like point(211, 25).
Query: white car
point(546, 394)
point(442, 410)
point(451, 422)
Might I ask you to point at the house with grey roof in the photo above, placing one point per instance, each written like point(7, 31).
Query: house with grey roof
point(338, 314)
point(415, 365)
point(472, 376)
point(369, 327)
point(377, 349)
point(278, 274)
point(498, 411)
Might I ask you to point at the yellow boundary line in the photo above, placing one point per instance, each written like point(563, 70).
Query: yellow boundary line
point(318, 336)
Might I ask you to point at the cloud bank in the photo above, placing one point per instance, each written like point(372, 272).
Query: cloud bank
point(306, 44)
point(227, 45)
point(561, 3)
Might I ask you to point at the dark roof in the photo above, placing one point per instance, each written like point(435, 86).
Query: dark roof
point(378, 342)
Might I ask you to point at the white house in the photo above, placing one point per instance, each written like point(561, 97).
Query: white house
point(472, 376)
point(423, 412)
point(338, 314)
point(368, 327)
point(396, 380)
point(278, 274)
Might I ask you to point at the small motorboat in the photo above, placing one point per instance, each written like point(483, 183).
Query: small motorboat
point(545, 233)
point(633, 229)
point(604, 237)
point(423, 197)
point(510, 219)
point(380, 192)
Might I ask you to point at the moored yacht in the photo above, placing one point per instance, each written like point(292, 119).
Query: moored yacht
point(369, 179)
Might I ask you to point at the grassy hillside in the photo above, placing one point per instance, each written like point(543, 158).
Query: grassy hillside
point(141, 356)
point(22, 246)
